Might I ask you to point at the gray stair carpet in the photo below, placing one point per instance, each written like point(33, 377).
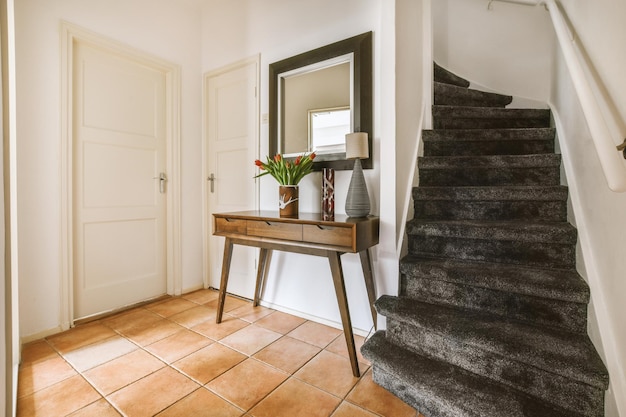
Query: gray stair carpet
point(491, 317)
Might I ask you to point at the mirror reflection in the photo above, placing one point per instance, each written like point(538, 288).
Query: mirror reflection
point(308, 96)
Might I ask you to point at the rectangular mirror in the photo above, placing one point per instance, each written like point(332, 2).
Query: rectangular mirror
point(328, 82)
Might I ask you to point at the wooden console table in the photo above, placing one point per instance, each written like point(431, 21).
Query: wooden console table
point(310, 235)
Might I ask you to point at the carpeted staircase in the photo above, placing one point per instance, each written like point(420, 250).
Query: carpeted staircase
point(491, 318)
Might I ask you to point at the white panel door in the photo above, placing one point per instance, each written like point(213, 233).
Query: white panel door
point(231, 127)
point(119, 147)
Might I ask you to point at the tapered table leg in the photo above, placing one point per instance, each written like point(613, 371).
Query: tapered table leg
point(366, 265)
point(342, 301)
point(228, 255)
point(264, 264)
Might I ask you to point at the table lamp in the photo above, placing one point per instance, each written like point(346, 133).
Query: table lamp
point(357, 200)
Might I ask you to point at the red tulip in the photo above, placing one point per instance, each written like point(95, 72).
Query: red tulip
point(286, 172)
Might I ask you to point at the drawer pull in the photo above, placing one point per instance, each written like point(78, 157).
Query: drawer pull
point(268, 223)
point(321, 227)
point(228, 220)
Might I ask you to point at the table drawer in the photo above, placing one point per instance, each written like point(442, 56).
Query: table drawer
point(328, 235)
point(226, 225)
point(276, 230)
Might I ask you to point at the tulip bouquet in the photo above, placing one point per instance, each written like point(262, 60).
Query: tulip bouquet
point(286, 172)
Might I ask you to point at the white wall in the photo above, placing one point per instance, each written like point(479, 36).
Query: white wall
point(278, 29)
point(167, 29)
point(507, 49)
point(598, 212)
point(413, 97)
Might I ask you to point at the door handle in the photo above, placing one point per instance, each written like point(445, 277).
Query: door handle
point(622, 148)
point(162, 180)
point(212, 179)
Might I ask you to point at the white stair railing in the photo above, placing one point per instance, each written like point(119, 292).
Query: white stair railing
point(610, 151)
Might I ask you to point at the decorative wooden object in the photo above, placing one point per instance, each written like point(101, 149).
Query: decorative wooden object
point(328, 194)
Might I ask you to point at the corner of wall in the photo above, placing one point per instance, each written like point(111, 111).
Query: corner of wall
point(602, 328)
point(414, 75)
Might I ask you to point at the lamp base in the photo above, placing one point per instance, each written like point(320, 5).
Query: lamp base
point(357, 200)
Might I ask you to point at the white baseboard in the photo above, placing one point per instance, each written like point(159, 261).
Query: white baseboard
point(192, 289)
point(40, 335)
point(329, 323)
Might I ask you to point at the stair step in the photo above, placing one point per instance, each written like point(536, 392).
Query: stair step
point(560, 232)
point(448, 94)
point(539, 203)
point(557, 284)
point(550, 245)
point(556, 298)
point(442, 75)
point(502, 170)
point(495, 161)
point(557, 366)
point(439, 389)
point(459, 142)
point(463, 117)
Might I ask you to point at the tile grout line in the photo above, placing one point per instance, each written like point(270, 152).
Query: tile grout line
point(171, 365)
point(78, 373)
point(289, 374)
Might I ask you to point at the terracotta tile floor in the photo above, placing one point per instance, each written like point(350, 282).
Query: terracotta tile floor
point(169, 358)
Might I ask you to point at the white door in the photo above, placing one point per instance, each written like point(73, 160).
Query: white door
point(119, 200)
point(231, 106)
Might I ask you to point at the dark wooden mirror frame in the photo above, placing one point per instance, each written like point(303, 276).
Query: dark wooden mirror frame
point(362, 114)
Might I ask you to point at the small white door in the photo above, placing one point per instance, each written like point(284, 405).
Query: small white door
point(231, 135)
point(119, 200)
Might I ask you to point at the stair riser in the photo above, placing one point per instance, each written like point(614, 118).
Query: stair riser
point(564, 392)
point(561, 284)
point(489, 135)
point(446, 94)
point(488, 123)
point(546, 255)
point(441, 99)
point(548, 211)
point(427, 404)
point(475, 148)
point(442, 75)
point(496, 176)
point(554, 313)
